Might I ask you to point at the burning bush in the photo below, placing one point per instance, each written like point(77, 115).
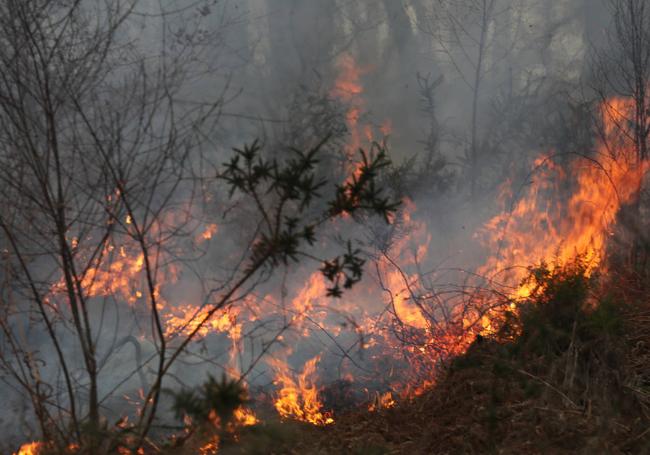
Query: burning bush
point(566, 373)
point(562, 375)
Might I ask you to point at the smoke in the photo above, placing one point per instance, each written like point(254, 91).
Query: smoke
point(464, 95)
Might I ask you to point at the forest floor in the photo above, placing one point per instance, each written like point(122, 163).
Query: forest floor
point(476, 410)
point(575, 379)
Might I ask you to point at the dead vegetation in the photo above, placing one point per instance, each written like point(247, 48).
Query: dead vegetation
point(568, 374)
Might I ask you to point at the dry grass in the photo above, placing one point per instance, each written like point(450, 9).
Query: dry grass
point(566, 386)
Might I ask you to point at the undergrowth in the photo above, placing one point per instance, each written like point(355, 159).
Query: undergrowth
point(568, 372)
point(565, 383)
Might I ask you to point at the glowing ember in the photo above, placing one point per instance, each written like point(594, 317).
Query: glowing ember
point(126, 451)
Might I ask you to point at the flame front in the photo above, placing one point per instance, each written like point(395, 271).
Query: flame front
point(566, 210)
point(540, 228)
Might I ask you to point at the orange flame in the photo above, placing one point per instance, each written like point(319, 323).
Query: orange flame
point(186, 318)
point(397, 281)
point(298, 399)
point(211, 447)
point(544, 225)
point(540, 229)
point(383, 401)
point(245, 417)
point(31, 448)
point(37, 448)
point(207, 234)
point(534, 228)
point(349, 89)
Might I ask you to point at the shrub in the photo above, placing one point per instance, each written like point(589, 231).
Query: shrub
point(218, 398)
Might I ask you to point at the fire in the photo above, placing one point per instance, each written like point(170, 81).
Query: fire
point(31, 448)
point(383, 401)
point(207, 234)
point(242, 417)
point(540, 228)
point(245, 417)
point(120, 276)
point(38, 448)
point(298, 398)
point(530, 229)
point(348, 83)
point(126, 451)
point(349, 89)
point(211, 447)
point(186, 318)
point(308, 299)
point(566, 210)
point(398, 282)
point(119, 272)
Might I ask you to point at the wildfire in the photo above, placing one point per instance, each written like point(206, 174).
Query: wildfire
point(119, 272)
point(383, 401)
point(398, 282)
point(37, 448)
point(209, 232)
point(211, 447)
point(298, 399)
point(245, 417)
point(540, 228)
point(186, 318)
point(566, 210)
point(31, 448)
point(349, 89)
point(348, 83)
point(120, 277)
point(309, 298)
